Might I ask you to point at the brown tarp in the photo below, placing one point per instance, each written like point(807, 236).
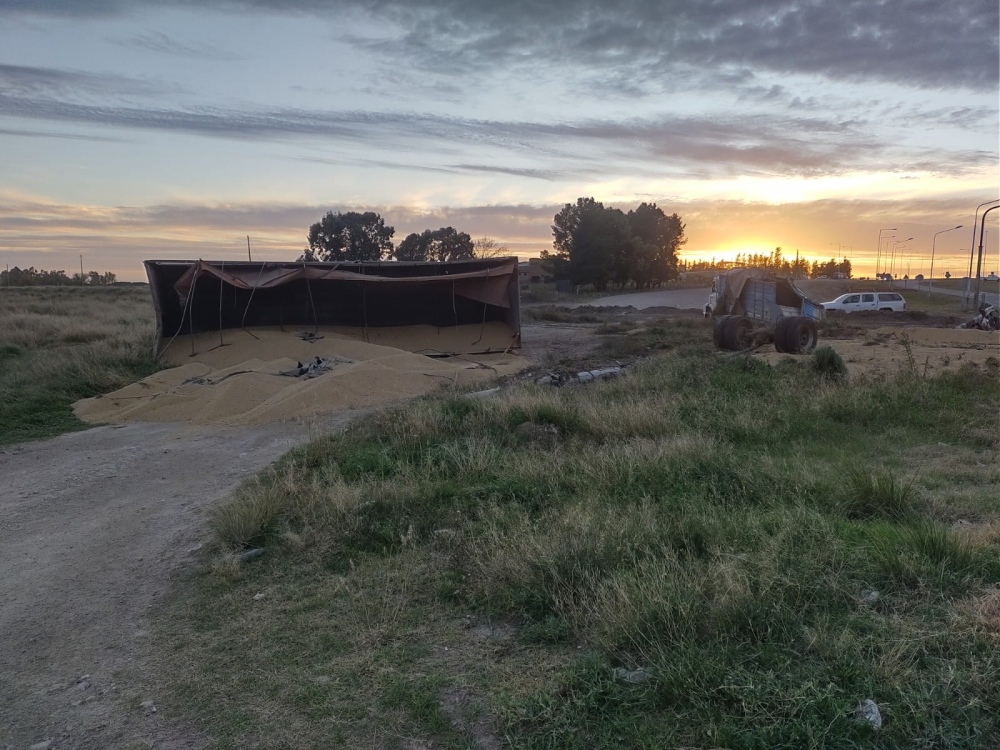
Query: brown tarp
point(489, 285)
point(194, 296)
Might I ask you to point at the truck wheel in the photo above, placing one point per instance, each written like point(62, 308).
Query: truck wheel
point(737, 334)
point(718, 326)
point(800, 335)
point(780, 328)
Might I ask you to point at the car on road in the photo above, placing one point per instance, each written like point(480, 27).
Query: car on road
point(860, 301)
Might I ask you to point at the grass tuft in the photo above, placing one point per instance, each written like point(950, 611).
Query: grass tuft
point(878, 494)
point(827, 363)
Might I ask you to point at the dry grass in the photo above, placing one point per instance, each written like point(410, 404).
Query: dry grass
point(60, 344)
point(694, 519)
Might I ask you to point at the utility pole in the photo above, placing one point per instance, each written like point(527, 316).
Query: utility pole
point(81, 268)
point(249, 257)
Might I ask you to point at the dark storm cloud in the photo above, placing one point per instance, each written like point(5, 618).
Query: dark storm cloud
point(923, 43)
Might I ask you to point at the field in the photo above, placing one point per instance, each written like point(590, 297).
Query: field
point(60, 344)
point(711, 551)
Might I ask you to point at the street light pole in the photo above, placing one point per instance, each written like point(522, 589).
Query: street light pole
point(878, 250)
point(972, 249)
point(892, 258)
point(930, 280)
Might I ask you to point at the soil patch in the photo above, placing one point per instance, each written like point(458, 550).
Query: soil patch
point(925, 350)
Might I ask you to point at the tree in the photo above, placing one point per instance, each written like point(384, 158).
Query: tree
point(443, 244)
point(487, 247)
point(591, 244)
point(947, 274)
point(656, 238)
point(350, 236)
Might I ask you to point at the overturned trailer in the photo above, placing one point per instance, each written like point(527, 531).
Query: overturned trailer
point(193, 297)
point(745, 297)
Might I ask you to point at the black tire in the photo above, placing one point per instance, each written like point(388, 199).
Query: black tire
point(780, 329)
point(737, 333)
point(718, 325)
point(885, 309)
point(800, 335)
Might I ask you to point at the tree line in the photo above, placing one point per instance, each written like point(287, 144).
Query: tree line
point(799, 268)
point(36, 277)
point(592, 244)
point(354, 236)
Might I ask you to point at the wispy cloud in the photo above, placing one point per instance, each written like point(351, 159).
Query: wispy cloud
point(157, 41)
point(64, 136)
point(723, 144)
point(911, 42)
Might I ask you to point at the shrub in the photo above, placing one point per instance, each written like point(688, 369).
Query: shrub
point(828, 363)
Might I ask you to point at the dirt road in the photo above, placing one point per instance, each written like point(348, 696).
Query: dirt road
point(92, 525)
point(683, 299)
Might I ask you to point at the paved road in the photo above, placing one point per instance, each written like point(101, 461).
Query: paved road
point(683, 299)
point(989, 296)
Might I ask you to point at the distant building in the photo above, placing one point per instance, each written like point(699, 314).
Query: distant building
point(532, 271)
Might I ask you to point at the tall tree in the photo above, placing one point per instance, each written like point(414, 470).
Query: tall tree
point(442, 244)
point(349, 236)
point(590, 243)
point(656, 238)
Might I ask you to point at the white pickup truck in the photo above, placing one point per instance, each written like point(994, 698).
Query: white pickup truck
point(859, 301)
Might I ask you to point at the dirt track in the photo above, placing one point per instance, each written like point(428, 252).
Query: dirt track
point(92, 524)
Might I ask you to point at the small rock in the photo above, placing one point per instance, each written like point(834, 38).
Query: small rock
point(44, 745)
point(81, 678)
point(961, 523)
point(870, 597)
point(867, 711)
point(251, 554)
point(634, 676)
point(82, 685)
point(257, 597)
point(148, 707)
point(323, 679)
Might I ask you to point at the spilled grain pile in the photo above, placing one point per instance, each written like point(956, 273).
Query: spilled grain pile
point(249, 377)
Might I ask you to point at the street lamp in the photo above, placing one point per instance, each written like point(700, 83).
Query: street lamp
point(892, 258)
point(878, 251)
point(930, 280)
point(972, 250)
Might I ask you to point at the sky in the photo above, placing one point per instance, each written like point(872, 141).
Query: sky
point(134, 129)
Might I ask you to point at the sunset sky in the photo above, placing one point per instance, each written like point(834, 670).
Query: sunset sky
point(133, 129)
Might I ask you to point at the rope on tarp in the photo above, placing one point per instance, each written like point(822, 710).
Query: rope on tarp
point(312, 305)
point(180, 326)
point(243, 322)
point(194, 285)
point(222, 276)
point(364, 309)
point(482, 327)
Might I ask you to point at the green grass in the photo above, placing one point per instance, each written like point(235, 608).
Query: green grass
point(61, 344)
point(712, 520)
